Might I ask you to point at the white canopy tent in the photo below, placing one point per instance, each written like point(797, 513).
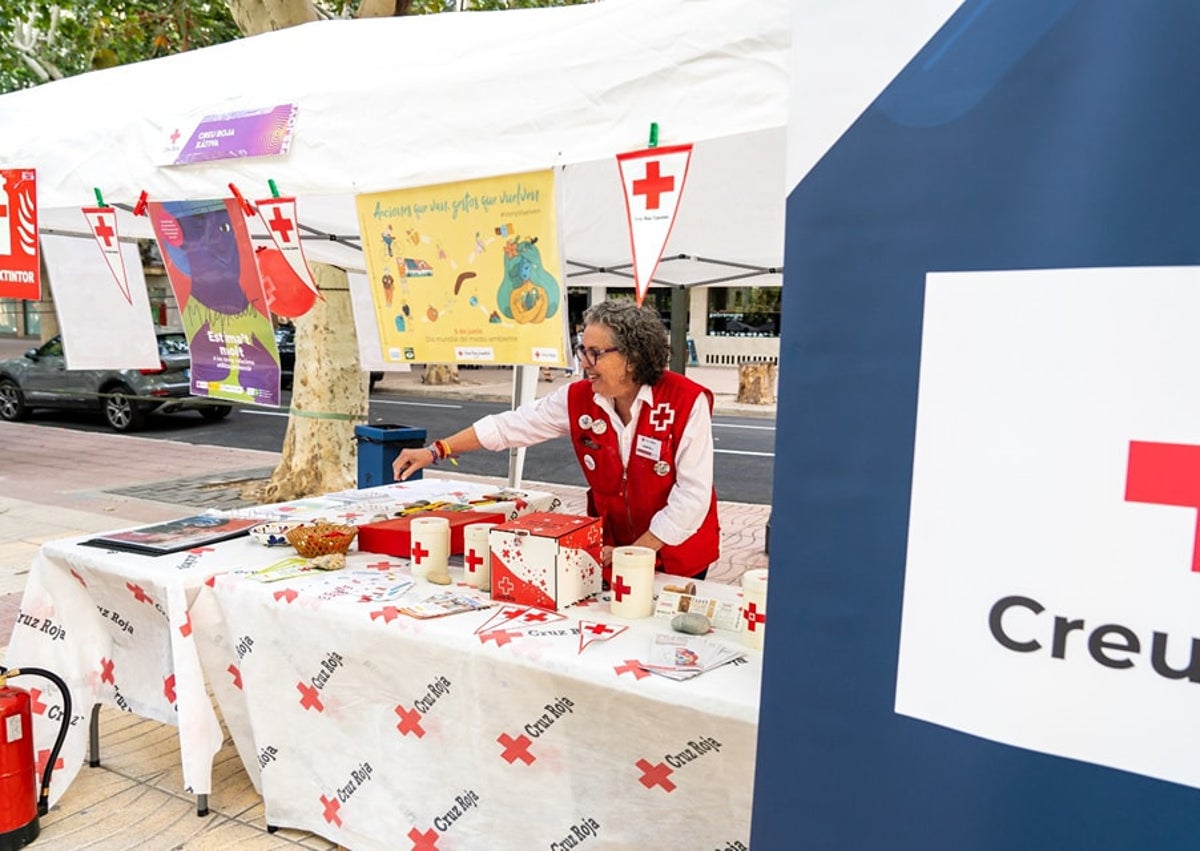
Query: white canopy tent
point(385, 103)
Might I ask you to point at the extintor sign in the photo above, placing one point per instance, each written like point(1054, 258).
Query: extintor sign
point(20, 270)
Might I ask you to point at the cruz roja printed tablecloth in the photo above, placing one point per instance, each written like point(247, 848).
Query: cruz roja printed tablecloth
point(504, 728)
point(116, 627)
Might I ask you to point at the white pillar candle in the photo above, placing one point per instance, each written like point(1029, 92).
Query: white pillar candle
point(632, 582)
point(477, 555)
point(430, 546)
point(754, 607)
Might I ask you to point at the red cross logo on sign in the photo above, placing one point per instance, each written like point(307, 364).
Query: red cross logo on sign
point(473, 561)
point(753, 617)
point(620, 589)
point(662, 416)
point(654, 184)
point(1166, 474)
point(418, 552)
point(506, 586)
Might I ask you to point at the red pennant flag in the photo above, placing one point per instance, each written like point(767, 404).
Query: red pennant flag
point(653, 182)
point(286, 293)
point(592, 631)
point(103, 222)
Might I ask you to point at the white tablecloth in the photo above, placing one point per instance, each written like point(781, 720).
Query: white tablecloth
point(116, 627)
point(378, 730)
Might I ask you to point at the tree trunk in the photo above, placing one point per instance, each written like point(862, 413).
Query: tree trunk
point(259, 16)
point(440, 373)
point(756, 383)
point(329, 398)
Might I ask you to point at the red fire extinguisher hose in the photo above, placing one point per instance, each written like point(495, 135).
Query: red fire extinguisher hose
point(5, 673)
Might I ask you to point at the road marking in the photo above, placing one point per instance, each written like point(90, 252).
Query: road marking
point(743, 452)
point(264, 413)
point(739, 425)
point(414, 404)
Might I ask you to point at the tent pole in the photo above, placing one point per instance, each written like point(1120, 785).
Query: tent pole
point(679, 312)
point(524, 388)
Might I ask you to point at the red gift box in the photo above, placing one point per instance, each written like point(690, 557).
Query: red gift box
point(545, 559)
point(394, 537)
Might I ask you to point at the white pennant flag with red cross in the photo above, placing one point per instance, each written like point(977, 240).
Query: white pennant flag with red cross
point(103, 222)
point(279, 217)
point(592, 631)
point(653, 181)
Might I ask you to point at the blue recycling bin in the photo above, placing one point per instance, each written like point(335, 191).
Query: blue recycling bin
point(379, 445)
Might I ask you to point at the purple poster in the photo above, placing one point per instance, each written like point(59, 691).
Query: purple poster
point(253, 133)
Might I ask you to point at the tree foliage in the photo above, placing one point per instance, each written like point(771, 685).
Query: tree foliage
point(42, 40)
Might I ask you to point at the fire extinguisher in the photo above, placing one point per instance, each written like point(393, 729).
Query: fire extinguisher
point(19, 808)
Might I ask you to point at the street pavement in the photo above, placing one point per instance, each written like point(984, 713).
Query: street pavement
point(58, 482)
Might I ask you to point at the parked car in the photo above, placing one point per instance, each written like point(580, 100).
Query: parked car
point(41, 379)
point(285, 341)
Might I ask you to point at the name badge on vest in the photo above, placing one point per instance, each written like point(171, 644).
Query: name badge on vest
point(648, 447)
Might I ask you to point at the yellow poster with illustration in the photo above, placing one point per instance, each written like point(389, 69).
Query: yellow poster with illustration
point(467, 272)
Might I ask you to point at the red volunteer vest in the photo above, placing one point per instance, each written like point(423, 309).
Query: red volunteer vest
point(626, 499)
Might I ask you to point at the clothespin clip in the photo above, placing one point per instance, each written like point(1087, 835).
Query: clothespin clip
point(245, 205)
point(653, 135)
point(99, 197)
point(139, 209)
point(274, 188)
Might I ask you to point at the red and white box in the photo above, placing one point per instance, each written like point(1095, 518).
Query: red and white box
point(545, 559)
point(394, 537)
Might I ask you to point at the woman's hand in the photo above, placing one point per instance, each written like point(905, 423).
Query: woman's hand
point(606, 556)
point(409, 461)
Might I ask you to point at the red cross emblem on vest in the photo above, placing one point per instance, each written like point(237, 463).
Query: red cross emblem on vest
point(662, 416)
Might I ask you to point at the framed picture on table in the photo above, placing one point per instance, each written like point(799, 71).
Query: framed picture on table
point(175, 535)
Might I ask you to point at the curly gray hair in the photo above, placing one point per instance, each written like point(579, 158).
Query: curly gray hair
point(638, 332)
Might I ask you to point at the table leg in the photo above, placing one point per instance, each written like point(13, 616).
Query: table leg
point(94, 737)
point(201, 805)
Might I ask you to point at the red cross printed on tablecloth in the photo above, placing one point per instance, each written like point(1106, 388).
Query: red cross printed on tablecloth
point(236, 673)
point(169, 688)
point(282, 225)
point(426, 841)
point(332, 805)
point(753, 617)
point(106, 671)
point(288, 594)
point(599, 628)
point(410, 722)
point(517, 748)
point(211, 582)
point(35, 701)
point(655, 775)
point(381, 565)
point(309, 698)
point(42, 758)
point(138, 593)
point(186, 629)
point(662, 416)
point(418, 552)
point(388, 613)
point(473, 561)
point(175, 136)
point(104, 231)
point(632, 666)
point(620, 589)
point(653, 185)
point(199, 551)
point(78, 578)
point(500, 636)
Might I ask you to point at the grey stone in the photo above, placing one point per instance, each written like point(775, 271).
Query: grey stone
point(693, 623)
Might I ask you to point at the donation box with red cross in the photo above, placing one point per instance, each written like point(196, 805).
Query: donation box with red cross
point(394, 537)
point(545, 560)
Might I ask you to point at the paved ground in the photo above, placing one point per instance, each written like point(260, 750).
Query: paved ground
point(57, 482)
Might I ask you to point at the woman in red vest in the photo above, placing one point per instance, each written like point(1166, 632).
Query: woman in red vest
point(642, 434)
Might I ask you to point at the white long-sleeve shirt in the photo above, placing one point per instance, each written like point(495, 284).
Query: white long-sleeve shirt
point(548, 417)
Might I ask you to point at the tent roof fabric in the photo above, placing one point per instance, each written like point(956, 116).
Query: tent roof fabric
point(386, 103)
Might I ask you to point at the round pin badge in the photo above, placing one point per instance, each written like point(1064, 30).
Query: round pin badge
point(585, 422)
point(599, 426)
point(662, 468)
point(589, 462)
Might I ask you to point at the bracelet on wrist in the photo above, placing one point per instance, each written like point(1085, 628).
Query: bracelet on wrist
point(434, 453)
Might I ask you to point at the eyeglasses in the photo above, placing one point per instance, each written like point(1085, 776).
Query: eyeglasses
point(590, 356)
